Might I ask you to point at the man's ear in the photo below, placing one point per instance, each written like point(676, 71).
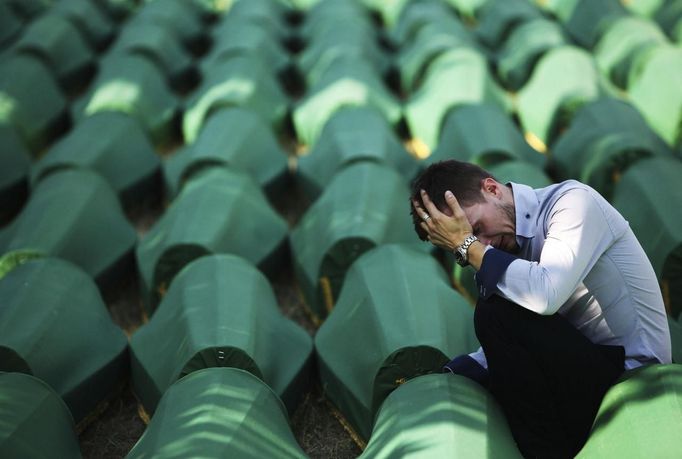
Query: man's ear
point(490, 185)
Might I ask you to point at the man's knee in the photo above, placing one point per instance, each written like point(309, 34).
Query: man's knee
point(496, 315)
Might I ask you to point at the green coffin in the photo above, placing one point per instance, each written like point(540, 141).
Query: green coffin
point(28, 9)
point(348, 80)
point(417, 15)
point(586, 20)
point(622, 42)
point(605, 138)
point(55, 326)
point(397, 318)
point(327, 43)
point(158, 43)
point(90, 19)
point(219, 412)
point(467, 8)
point(456, 77)
point(655, 88)
point(61, 46)
point(181, 16)
point(441, 416)
point(649, 197)
point(364, 205)
point(482, 134)
point(34, 421)
point(218, 211)
point(524, 47)
point(15, 162)
point(74, 214)
point(564, 79)
point(112, 144)
point(220, 311)
point(497, 19)
point(431, 40)
point(640, 416)
point(353, 134)
point(246, 37)
point(134, 85)
point(10, 24)
point(268, 14)
point(238, 138)
point(389, 12)
point(37, 116)
point(118, 10)
point(242, 80)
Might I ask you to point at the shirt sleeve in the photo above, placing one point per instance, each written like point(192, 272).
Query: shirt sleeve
point(578, 233)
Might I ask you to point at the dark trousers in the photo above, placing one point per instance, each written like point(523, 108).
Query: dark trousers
point(548, 378)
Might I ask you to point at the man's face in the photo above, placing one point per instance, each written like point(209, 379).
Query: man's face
point(493, 222)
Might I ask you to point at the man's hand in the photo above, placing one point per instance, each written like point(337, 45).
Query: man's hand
point(444, 231)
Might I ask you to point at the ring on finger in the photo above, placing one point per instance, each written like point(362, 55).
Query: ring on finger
point(426, 217)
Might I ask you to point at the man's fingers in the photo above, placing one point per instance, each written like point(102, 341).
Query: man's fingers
point(430, 207)
point(453, 203)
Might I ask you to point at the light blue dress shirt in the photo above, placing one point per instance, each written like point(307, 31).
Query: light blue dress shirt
point(579, 258)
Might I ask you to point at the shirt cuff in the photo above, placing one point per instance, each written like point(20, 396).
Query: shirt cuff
point(464, 365)
point(493, 266)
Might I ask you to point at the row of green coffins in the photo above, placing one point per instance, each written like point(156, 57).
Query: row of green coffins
point(236, 414)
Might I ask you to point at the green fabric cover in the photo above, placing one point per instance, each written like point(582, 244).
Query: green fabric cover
point(242, 80)
point(356, 39)
point(467, 8)
point(29, 9)
point(524, 47)
point(441, 416)
point(238, 138)
point(220, 311)
point(416, 15)
point(112, 144)
point(640, 416)
point(646, 8)
point(482, 134)
point(132, 84)
point(74, 214)
point(324, 13)
point(90, 19)
point(14, 166)
point(37, 116)
point(34, 421)
point(219, 412)
point(588, 19)
point(397, 318)
point(61, 46)
point(157, 43)
point(269, 14)
point(605, 138)
point(353, 134)
point(676, 338)
point(649, 197)
point(348, 81)
point(498, 18)
point(459, 76)
point(565, 78)
point(622, 42)
point(244, 37)
point(52, 316)
point(655, 88)
point(431, 40)
point(179, 15)
point(118, 9)
point(668, 15)
point(364, 205)
point(10, 24)
point(389, 12)
point(218, 211)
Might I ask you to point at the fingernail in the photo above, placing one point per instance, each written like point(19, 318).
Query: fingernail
point(448, 194)
point(422, 191)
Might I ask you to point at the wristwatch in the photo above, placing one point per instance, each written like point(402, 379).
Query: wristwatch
point(462, 252)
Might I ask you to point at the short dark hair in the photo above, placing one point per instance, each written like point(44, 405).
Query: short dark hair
point(463, 179)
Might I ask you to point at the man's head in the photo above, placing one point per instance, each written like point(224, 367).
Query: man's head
point(488, 205)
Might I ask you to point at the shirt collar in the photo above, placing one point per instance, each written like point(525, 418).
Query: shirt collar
point(526, 205)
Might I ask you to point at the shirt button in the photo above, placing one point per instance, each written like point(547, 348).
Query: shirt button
point(527, 215)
